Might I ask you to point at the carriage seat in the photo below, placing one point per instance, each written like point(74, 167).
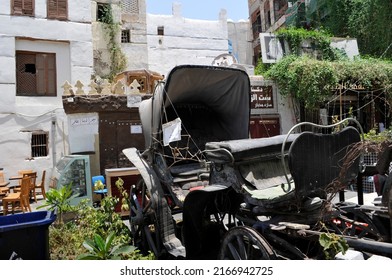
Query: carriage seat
point(256, 162)
point(315, 160)
point(247, 149)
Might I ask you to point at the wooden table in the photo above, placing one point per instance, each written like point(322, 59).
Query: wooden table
point(17, 177)
point(4, 184)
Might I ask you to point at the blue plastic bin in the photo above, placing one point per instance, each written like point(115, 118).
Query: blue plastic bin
point(25, 236)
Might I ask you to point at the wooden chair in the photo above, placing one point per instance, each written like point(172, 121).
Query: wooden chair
point(2, 176)
point(41, 185)
point(3, 185)
point(21, 173)
point(21, 197)
point(4, 190)
point(33, 178)
point(3, 182)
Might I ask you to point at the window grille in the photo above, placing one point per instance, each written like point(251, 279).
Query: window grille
point(161, 30)
point(125, 36)
point(35, 74)
point(130, 6)
point(39, 144)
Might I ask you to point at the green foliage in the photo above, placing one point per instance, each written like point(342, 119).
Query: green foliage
point(125, 196)
point(313, 81)
point(59, 200)
point(112, 28)
point(103, 220)
point(66, 240)
point(98, 185)
point(370, 21)
point(262, 68)
point(309, 80)
point(332, 244)
point(319, 39)
point(373, 136)
point(100, 249)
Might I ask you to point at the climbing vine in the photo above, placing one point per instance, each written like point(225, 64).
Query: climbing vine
point(318, 39)
point(112, 28)
point(369, 21)
point(313, 81)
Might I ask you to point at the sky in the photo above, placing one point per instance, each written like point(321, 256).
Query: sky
point(201, 9)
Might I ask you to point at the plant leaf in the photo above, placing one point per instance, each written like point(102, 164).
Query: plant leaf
point(88, 256)
point(127, 249)
point(90, 245)
point(100, 243)
point(109, 241)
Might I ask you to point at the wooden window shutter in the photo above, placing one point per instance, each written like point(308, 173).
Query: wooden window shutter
point(58, 9)
point(41, 74)
point(23, 7)
point(46, 74)
point(52, 82)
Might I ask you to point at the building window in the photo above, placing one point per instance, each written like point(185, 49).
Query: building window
point(125, 36)
point(103, 12)
point(161, 30)
point(35, 74)
point(39, 144)
point(22, 7)
point(57, 9)
point(130, 6)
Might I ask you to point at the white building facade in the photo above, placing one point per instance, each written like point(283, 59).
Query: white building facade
point(43, 43)
point(174, 40)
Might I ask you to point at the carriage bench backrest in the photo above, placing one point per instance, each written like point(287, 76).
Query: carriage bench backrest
point(315, 160)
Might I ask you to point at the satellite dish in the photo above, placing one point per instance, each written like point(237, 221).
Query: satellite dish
point(224, 60)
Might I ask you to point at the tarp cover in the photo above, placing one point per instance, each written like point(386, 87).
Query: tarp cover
point(225, 91)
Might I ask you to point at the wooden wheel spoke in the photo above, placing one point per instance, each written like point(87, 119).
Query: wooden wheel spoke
point(245, 243)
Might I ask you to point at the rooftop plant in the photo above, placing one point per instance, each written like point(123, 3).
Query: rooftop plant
point(313, 80)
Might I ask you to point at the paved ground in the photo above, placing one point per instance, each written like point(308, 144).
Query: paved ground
point(351, 196)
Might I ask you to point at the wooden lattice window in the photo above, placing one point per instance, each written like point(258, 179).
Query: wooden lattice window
point(57, 9)
point(35, 74)
point(22, 7)
point(39, 144)
point(130, 6)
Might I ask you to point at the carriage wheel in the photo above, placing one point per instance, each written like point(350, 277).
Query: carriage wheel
point(245, 243)
point(142, 220)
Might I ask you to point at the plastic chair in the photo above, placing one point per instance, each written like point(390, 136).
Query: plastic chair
point(103, 191)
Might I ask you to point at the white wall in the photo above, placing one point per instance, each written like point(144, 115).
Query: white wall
point(240, 35)
point(185, 41)
point(72, 42)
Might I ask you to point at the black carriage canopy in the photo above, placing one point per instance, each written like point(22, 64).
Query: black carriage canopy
point(211, 100)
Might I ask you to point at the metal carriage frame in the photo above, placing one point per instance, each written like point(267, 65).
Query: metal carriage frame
point(194, 200)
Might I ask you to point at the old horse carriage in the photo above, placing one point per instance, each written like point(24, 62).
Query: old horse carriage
point(210, 192)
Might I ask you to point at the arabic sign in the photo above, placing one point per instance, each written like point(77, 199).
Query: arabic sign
point(261, 97)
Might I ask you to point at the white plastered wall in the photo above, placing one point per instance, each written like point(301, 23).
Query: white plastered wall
point(71, 42)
